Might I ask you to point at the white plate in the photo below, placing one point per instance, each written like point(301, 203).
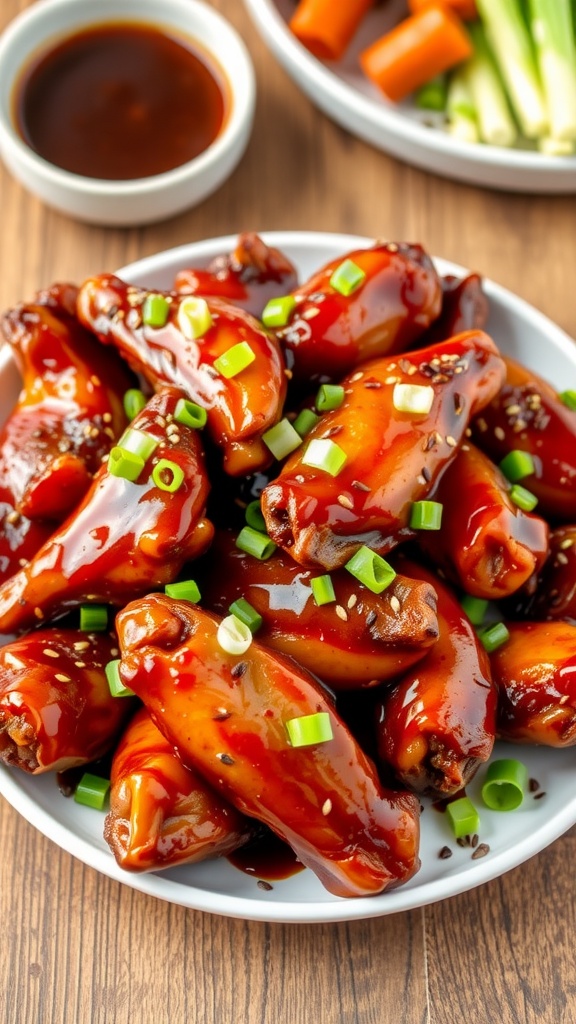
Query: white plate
point(218, 887)
point(341, 90)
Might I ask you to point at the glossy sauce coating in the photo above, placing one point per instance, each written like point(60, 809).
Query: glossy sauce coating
point(551, 594)
point(241, 408)
point(357, 641)
point(535, 674)
point(56, 710)
point(120, 101)
point(161, 812)
point(393, 458)
point(464, 308)
point(487, 545)
point(226, 717)
point(437, 725)
point(125, 538)
point(329, 333)
point(247, 277)
point(527, 414)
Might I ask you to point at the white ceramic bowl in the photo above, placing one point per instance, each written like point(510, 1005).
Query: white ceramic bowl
point(141, 200)
point(343, 92)
point(217, 886)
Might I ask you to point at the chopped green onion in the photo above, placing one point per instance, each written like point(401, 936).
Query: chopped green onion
point(115, 684)
point(244, 611)
point(155, 310)
point(138, 442)
point(516, 465)
point(185, 590)
point(475, 608)
point(92, 791)
point(134, 401)
point(282, 439)
point(432, 95)
point(277, 311)
point(308, 730)
point(168, 475)
point(190, 414)
point(254, 517)
point(125, 464)
point(522, 498)
point(463, 817)
point(236, 359)
point(323, 589)
point(330, 396)
point(426, 515)
point(347, 277)
point(505, 783)
point(194, 317)
point(305, 421)
point(233, 635)
point(568, 398)
point(371, 569)
point(93, 618)
point(322, 453)
point(494, 637)
point(255, 543)
point(416, 399)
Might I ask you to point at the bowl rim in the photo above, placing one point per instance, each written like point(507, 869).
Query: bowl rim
point(239, 78)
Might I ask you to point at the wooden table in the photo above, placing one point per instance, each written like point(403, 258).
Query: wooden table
point(79, 948)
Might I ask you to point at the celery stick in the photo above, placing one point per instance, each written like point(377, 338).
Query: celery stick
point(553, 34)
point(513, 49)
point(495, 122)
point(460, 108)
point(556, 147)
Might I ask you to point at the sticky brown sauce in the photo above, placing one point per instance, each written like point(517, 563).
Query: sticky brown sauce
point(120, 101)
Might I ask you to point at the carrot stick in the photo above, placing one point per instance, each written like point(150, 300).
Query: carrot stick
point(422, 46)
point(465, 9)
point(326, 27)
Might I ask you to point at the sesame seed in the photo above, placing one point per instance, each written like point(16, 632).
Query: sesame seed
point(239, 669)
point(371, 618)
point(94, 433)
point(360, 486)
point(420, 479)
point(288, 374)
point(81, 645)
point(451, 441)
point(533, 785)
point(225, 758)
point(341, 613)
point(481, 424)
point(22, 562)
point(538, 796)
point(512, 410)
point(107, 417)
point(38, 613)
point(95, 380)
point(114, 652)
point(87, 430)
point(345, 501)
point(12, 517)
point(445, 853)
point(566, 543)
point(392, 247)
point(309, 314)
point(519, 425)
point(326, 807)
point(352, 601)
point(392, 380)
point(264, 885)
point(561, 558)
point(355, 377)
point(413, 369)
point(499, 433)
point(480, 851)
point(80, 664)
point(50, 653)
point(109, 433)
point(62, 678)
point(395, 604)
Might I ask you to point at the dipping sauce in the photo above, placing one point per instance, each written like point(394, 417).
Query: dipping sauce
point(120, 101)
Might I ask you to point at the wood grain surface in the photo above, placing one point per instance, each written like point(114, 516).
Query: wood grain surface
point(78, 948)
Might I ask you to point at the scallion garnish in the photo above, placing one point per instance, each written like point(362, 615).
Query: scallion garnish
point(322, 453)
point(371, 569)
point(155, 310)
point(308, 730)
point(493, 637)
point(505, 784)
point(415, 399)
point(184, 590)
point(347, 277)
point(194, 318)
point(568, 398)
point(277, 311)
point(522, 498)
point(475, 608)
point(305, 421)
point(93, 618)
point(92, 791)
point(115, 684)
point(190, 414)
point(236, 359)
point(125, 464)
point(233, 635)
point(463, 817)
point(134, 401)
point(254, 517)
point(329, 397)
point(282, 439)
point(516, 465)
point(244, 611)
point(255, 543)
point(426, 515)
point(323, 589)
point(168, 475)
point(138, 442)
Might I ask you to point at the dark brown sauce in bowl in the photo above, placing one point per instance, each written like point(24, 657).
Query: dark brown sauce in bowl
point(120, 101)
